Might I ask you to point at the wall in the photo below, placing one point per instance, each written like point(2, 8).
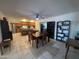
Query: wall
point(12, 20)
point(73, 17)
point(37, 25)
point(1, 15)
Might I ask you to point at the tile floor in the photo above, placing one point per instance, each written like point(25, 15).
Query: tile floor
point(22, 49)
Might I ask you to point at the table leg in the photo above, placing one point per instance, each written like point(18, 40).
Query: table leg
point(1, 50)
point(42, 42)
point(36, 43)
point(48, 39)
point(29, 39)
point(67, 51)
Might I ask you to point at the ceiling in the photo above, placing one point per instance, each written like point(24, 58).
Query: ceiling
point(45, 8)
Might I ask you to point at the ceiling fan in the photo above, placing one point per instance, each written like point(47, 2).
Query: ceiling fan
point(37, 15)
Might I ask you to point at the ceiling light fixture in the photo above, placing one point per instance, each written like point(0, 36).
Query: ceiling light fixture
point(24, 20)
point(31, 20)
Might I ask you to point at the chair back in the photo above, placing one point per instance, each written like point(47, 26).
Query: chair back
point(44, 34)
point(6, 33)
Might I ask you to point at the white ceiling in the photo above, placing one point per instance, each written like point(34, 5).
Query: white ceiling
point(45, 8)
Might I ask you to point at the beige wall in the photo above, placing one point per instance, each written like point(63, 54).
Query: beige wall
point(1, 15)
point(12, 20)
point(37, 25)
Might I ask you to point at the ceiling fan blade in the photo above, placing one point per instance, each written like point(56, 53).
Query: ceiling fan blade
point(37, 14)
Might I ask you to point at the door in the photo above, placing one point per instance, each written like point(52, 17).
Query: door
point(51, 29)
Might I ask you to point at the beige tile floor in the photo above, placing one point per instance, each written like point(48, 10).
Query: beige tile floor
point(22, 49)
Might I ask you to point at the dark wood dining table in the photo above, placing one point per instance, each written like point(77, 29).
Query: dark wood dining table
point(42, 37)
point(38, 36)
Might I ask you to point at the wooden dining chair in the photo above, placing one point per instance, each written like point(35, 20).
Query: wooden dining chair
point(6, 35)
point(31, 38)
point(41, 39)
point(71, 43)
point(45, 37)
point(6, 44)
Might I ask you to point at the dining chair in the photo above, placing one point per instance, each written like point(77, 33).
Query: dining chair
point(45, 37)
point(31, 38)
point(6, 35)
point(71, 43)
point(5, 44)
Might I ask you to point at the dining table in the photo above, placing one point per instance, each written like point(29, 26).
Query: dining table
point(40, 37)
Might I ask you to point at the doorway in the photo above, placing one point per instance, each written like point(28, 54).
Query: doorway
point(51, 29)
